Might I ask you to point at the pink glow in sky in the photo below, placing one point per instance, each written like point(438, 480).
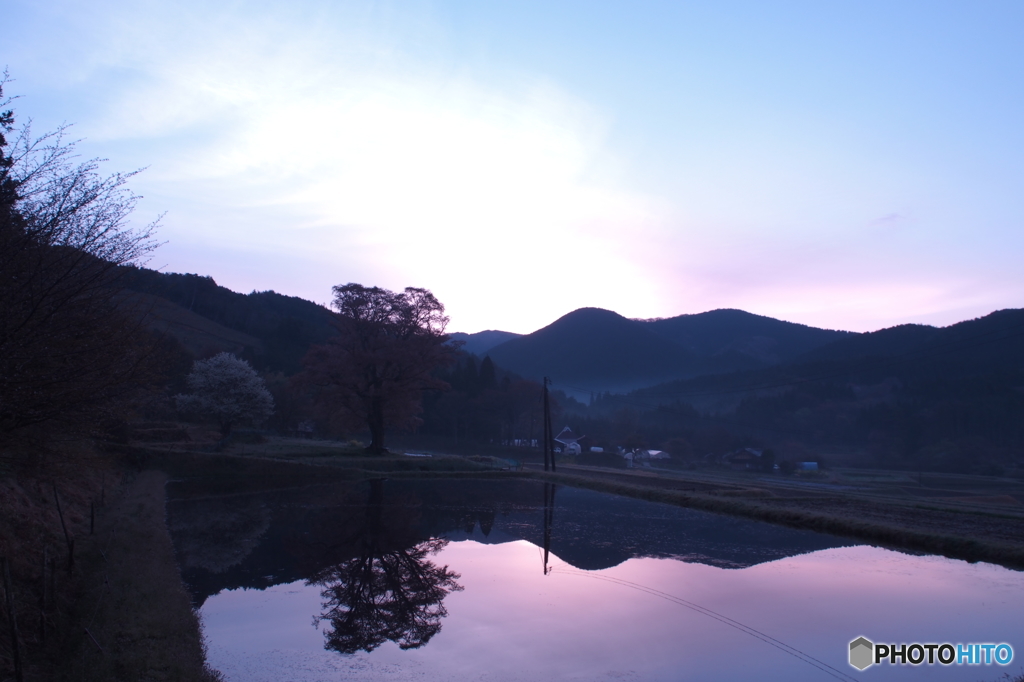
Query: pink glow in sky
point(849, 167)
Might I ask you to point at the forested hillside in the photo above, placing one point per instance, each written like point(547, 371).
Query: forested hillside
point(284, 326)
point(910, 396)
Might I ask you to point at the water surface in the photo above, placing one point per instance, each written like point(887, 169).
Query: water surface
point(494, 580)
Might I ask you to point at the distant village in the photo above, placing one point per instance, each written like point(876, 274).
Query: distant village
point(741, 459)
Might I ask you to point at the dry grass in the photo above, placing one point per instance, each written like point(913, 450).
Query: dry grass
point(133, 619)
point(962, 536)
point(121, 613)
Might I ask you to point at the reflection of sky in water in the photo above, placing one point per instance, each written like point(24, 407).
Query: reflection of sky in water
point(514, 623)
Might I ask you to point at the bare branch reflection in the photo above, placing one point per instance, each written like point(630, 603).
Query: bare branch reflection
point(384, 593)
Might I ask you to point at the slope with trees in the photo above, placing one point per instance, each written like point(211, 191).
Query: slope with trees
point(285, 326)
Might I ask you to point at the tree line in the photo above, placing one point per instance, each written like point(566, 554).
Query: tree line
point(73, 349)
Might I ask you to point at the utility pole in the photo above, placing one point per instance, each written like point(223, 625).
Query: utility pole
point(548, 455)
point(549, 435)
point(549, 519)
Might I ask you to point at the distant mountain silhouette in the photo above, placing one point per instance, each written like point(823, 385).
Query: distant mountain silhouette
point(481, 342)
point(599, 350)
point(726, 332)
point(596, 349)
point(934, 361)
point(994, 340)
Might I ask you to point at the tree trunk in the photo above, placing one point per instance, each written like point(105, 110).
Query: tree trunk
point(375, 420)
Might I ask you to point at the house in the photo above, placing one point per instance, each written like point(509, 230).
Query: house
point(570, 441)
point(743, 459)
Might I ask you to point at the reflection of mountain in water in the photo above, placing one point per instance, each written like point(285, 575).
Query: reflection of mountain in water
point(593, 530)
point(312, 529)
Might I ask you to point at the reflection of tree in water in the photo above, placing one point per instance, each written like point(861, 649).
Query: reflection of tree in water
point(385, 592)
point(392, 596)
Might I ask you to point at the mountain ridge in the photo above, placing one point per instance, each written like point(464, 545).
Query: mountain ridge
point(592, 349)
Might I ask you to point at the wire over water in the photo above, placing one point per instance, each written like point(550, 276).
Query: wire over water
point(757, 634)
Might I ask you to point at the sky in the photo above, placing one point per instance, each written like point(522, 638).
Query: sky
point(843, 165)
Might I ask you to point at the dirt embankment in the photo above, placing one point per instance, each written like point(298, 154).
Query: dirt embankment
point(121, 612)
point(136, 618)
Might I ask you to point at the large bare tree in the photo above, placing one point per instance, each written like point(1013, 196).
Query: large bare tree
point(374, 371)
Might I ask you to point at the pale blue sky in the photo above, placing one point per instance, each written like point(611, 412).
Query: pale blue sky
point(847, 165)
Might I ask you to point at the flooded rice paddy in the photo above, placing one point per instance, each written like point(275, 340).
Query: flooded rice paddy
point(520, 580)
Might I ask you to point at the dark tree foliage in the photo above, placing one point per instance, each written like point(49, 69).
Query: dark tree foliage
point(374, 371)
point(480, 408)
point(70, 345)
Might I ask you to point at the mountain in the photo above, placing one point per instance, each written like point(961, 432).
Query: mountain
point(481, 342)
point(994, 340)
point(920, 362)
point(592, 349)
point(742, 335)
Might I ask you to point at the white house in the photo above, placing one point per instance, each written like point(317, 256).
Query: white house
point(570, 441)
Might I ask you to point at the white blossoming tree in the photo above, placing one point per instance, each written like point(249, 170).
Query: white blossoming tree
point(228, 389)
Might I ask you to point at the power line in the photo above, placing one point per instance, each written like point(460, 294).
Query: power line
point(746, 629)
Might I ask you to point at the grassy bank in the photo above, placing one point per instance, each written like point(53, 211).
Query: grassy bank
point(119, 611)
point(901, 532)
point(133, 619)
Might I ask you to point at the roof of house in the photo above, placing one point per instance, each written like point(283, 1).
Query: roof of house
point(566, 436)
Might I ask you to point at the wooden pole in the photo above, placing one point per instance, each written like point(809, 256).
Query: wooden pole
point(551, 439)
point(547, 524)
point(550, 433)
point(547, 429)
point(549, 518)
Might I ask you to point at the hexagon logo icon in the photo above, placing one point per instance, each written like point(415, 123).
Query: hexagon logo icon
point(862, 653)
